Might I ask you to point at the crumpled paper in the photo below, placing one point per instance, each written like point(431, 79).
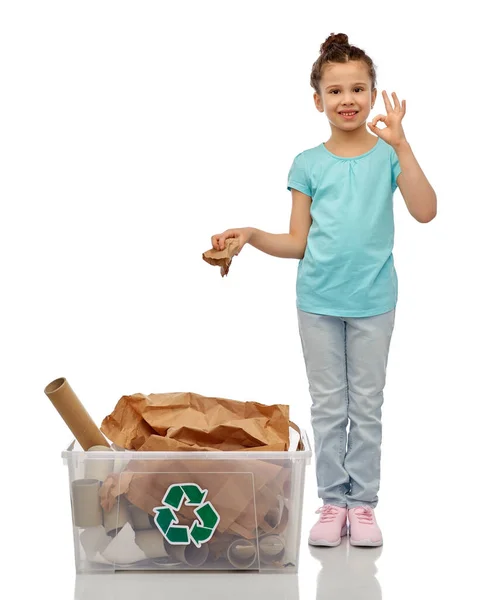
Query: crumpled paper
point(223, 258)
point(188, 421)
point(242, 491)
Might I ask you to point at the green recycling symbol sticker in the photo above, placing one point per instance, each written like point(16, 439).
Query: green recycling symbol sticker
point(203, 526)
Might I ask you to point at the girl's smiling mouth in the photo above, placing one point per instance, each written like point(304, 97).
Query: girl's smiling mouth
point(348, 114)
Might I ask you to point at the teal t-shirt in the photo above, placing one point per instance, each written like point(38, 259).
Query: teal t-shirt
point(348, 268)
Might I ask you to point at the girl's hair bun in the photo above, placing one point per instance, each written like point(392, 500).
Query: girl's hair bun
point(340, 39)
point(336, 49)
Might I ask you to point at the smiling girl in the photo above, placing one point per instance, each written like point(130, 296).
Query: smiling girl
point(342, 232)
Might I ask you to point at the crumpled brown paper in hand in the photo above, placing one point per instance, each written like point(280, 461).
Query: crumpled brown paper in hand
point(223, 258)
point(188, 421)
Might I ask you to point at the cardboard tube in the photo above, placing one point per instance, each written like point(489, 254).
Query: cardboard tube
point(99, 468)
point(86, 507)
point(139, 518)
point(190, 555)
point(74, 414)
point(115, 519)
point(242, 553)
point(151, 542)
point(271, 548)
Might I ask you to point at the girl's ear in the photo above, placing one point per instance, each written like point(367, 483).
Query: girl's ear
point(318, 102)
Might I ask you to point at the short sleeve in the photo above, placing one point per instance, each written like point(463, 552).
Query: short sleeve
point(396, 168)
point(298, 177)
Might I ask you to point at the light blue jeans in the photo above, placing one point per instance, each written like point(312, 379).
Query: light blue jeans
point(346, 361)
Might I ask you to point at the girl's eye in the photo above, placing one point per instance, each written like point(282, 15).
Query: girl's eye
point(362, 89)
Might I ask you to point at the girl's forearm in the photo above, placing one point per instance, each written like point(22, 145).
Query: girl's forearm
point(417, 192)
point(283, 245)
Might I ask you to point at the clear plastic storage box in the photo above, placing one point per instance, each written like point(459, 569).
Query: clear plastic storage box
point(166, 511)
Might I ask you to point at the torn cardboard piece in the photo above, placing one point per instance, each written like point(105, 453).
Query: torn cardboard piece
point(223, 258)
point(185, 421)
point(123, 549)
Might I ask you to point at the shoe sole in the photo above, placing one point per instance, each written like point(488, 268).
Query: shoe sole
point(365, 542)
point(326, 542)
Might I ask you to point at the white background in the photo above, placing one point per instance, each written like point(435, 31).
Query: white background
point(133, 131)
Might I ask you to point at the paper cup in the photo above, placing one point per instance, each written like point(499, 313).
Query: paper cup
point(86, 507)
point(99, 468)
point(151, 541)
point(242, 553)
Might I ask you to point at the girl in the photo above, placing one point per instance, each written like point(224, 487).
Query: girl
point(342, 230)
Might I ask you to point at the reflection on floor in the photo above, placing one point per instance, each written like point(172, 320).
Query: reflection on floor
point(342, 570)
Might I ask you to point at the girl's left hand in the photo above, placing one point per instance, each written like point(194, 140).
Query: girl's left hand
point(393, 133)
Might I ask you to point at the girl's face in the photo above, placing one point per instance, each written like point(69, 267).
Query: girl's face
point(345, 87)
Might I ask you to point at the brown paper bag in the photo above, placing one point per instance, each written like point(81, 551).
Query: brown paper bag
point(223, 258)
point(242, 491)
point(188, 421)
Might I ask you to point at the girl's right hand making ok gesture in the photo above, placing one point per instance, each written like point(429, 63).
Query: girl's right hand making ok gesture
point(243, 234)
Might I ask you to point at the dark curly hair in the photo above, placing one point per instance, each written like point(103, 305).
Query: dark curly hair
point(336, 49)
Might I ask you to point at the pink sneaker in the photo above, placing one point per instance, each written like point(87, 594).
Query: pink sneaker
point(332, 524)
point(364, 530)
